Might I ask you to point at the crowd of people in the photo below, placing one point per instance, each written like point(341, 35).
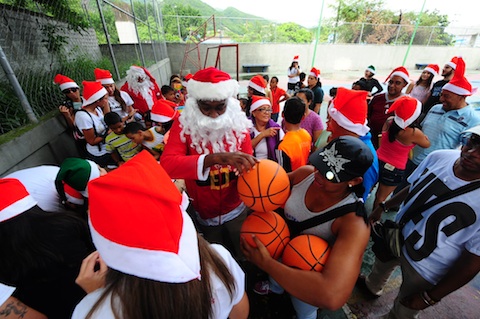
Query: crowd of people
point(146, 222)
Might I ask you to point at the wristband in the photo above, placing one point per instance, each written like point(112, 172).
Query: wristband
point(424, 300)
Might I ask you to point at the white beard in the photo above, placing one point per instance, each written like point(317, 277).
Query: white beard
point(224, 133)
point(143, 88)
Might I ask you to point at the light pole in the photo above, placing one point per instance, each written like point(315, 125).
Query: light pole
point(178, 23)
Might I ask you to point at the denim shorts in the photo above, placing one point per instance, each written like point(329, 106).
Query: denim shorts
point(390, 175)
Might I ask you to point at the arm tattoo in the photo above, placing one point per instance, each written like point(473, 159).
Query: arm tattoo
point(15, 309)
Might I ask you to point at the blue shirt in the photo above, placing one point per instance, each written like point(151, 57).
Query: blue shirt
point(370, 177)
point(444, 129)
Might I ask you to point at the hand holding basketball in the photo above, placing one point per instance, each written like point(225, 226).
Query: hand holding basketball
point(257, 254)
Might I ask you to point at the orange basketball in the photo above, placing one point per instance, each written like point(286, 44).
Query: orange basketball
point(269, 228)
point(307, 252)
point(265, 188)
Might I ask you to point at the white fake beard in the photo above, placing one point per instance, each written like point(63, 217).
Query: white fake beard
point(143, 88)
point(223, 133)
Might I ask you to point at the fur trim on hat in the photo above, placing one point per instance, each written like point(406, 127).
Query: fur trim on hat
point(207, 91)
point(343, 121)
point(259, 102)
point(15, 199)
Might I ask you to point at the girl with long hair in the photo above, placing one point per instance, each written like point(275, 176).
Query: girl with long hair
point(421, 89)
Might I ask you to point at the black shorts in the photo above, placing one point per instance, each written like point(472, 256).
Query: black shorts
point(390, 175)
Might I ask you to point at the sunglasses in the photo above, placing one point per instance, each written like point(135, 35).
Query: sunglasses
point(264, 110)
point(71, 90)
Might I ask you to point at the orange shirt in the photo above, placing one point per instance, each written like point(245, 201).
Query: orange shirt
point(294, 149)
point(277, 93)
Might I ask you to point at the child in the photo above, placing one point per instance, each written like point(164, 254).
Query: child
point(118, 145)
point(151, 139)
point(293, 151)
point(243, 103)
point(168, 93)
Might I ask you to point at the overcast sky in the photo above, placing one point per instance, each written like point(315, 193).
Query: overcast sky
point(461, 12)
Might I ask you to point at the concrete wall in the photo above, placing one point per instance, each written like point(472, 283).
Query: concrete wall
point(329, 58)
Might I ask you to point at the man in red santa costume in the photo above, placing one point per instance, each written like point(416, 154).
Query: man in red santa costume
point(142, 87)
point(209, 146)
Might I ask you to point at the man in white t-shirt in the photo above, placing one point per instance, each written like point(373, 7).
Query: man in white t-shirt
point(441, 250)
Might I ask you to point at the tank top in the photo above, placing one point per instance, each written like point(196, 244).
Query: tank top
point(419, 92)
point(395, 153)
point(296, 210)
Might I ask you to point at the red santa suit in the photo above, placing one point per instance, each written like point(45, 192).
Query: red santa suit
point(140, 103)
point(215, 192)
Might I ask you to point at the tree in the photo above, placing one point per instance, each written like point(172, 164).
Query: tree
point(179, 20)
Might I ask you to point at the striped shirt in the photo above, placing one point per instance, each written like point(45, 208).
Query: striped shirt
point(123, 145)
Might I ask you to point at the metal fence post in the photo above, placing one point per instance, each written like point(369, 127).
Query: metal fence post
point(361, 33)
point(430, 37)
point(136, 32)
point(16, 87)
point(150, 31)
point(107, 36)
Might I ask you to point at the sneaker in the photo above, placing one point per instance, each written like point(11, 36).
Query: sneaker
point(262, 287)
point(362, 286)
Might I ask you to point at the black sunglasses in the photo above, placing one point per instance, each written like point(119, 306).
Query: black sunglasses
point(71, 90)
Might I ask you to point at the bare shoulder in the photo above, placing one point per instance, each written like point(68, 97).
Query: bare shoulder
point(300, 174)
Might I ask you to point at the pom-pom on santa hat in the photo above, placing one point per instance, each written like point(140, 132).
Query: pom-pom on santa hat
point(370, 68)
point(295, 58)
point(258, 83)
point(349, 110)
point(149, 236)
point(75, 172)
point(65, 82)
point(453, 63)
point(163, 111)
point(401, 72)
point(211, 84)
point(433, 68)
point(103, 76)
point(459, 84)
point(258, 101)
point(407, 109)
point(315, 73)
point(15, 199)
point(92, 92)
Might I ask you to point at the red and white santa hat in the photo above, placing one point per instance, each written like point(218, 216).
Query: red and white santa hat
point(211, 84)
point(15, 199)
point(163, 111)
point(92, 92)
point(453, 63)
point(258, 83)
point(459, 84)
point(65, 82)
point(103, 76)
point(315, 73)
point(150, 235)
point(72, 195)
point(407, 109)
point(186, 78)
point(295, 58)
point(433, 68)
point(401, 72)
point(349, 110)
point(258, 101)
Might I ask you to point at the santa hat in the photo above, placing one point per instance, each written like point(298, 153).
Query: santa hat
point(75, 172)
point(65, 82)
point(92, 92)
point(407, 109)
point(258, 101)
point(433, 68)
point(453, 63)
point(103, 76)
point(186, 78)
point(258, 83)
point(72, 195)
point(138, 71)
point(349, 110)
point(401, 72)
point(295, 58)
point(211, 84)
point(150, 235)
point(163, 111)
point(370, 68)
point(15, 199)
point(459, 84)
point(315, 73)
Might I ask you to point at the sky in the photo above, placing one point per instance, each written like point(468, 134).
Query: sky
point(461, 14)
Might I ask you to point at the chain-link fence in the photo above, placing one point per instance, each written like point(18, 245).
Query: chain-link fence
point(42, 38)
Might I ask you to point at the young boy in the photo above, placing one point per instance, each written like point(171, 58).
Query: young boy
point(168, 93)
point(151, 139)
point(118, 145)
point(293, 151)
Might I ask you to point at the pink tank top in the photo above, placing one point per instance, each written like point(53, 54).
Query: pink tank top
point(395, 153)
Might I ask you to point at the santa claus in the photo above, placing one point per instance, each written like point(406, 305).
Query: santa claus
point(209, 146)
point(142, 87)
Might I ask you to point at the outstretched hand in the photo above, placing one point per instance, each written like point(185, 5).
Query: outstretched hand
point(89, 278)
point(258, 255)
point(241, 162)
